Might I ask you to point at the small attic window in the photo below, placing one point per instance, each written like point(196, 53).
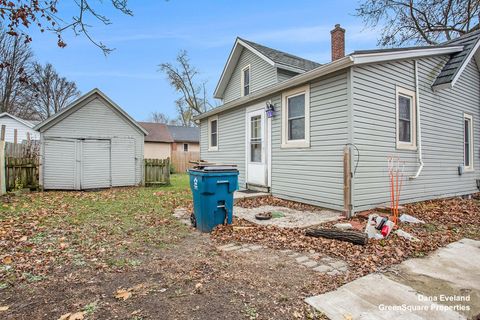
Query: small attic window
point(246, 81)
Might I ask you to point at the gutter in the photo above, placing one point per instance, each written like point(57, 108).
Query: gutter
point(419, 124)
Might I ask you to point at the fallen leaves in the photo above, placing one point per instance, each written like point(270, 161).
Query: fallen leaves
point(7, 260)
point(73, 316)
point(122, 294)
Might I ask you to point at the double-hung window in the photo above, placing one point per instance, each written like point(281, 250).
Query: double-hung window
point(468, 142)
point(406, 120)
point(213, 133)
point(296, 118)
point(246, 81)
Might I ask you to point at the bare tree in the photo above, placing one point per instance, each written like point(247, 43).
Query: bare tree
point(51, 92)
point(15, 65)
point(20, 15)
point(420, 21)
point(183, 77)
point(159, 117)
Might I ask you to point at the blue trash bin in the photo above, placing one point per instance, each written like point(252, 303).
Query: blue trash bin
point(212, 189)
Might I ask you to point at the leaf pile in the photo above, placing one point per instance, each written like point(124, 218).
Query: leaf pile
point(275, 202)
point(446, 221)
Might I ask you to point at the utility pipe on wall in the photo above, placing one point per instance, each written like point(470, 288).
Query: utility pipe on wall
point(419, 123)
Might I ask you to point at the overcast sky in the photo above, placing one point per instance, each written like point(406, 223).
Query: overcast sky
point(206, 29)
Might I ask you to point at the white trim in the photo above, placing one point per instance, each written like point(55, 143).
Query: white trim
point(210, 148)
point(465, 63)
point(25, 122)
point(471, 167)
point(362, 58)
point(72, 107)
point(304, 143)
point(413, 120)
point(242, 80)
point(231, 63)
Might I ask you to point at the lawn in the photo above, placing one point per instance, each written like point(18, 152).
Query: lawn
point(105, 229)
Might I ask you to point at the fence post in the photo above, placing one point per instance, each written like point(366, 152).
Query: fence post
point(3, 183)
point(347, 181)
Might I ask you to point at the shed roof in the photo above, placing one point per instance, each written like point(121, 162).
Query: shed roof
point(28, 123)
point(157, 132)
point(184, 134)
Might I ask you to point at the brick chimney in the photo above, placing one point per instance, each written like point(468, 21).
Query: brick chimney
point(338, 42)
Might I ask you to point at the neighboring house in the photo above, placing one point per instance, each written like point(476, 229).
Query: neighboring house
point(16, 129)
point(420, 103)
point(91, 144)
point(164, 139)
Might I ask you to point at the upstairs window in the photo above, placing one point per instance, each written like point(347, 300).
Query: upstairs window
point(296, 118)
point(185, 147)
point(406, 126)
point(468, 142)
point(246, 81)
point(213, 134)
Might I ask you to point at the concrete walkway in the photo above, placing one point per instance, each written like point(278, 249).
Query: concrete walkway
point(445, 285)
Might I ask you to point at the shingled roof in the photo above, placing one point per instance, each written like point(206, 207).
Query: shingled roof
point(283, 58)
point(457, 60)
point(157, 132)
point(184, 134)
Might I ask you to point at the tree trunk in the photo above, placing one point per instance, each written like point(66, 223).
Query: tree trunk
point(342, 235)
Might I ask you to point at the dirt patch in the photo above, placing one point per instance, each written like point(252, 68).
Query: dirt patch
point(192, 280)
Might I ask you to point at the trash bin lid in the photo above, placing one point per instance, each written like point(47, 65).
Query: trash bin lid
point(220, 168)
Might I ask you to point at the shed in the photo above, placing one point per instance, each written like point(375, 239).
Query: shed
point(17, 129)
point(91, 144)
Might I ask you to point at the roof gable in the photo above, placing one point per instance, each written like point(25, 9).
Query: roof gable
point(276, 58)
point(79, 103)
point(458, 61)
point(24, 122)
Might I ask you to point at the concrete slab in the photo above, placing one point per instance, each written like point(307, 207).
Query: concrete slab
point(372, 296)
point(286, 217)
point(444, 285)
point(243, 194)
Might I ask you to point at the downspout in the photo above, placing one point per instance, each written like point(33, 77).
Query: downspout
point(419, 123)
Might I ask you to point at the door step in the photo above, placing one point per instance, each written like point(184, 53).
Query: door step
point(255, 187)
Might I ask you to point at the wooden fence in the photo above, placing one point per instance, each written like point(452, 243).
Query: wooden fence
point(157, 171)
point(21, 161)
point(181, 160)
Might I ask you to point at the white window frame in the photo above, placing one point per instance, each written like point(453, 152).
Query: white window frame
point(242, 77)
point(413, 122)
point(186, 144)
point(468, 117)
point(210, 147)
point(305, 143)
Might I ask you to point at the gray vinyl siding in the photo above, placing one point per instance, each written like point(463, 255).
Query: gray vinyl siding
point(96, 120)
point(442, 114)
point(231, 141)
point(262, 74)
point(315, 175)
point(283, 75)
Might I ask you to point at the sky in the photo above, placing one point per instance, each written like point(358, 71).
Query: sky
point(207, 29)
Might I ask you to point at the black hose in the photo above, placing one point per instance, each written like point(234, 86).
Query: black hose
point(358, 156)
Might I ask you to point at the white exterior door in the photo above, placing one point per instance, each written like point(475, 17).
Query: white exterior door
point(256, 148)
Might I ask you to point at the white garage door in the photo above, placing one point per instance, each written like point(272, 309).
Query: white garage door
point(59, 164)
point(123, 162)
point(95, 164)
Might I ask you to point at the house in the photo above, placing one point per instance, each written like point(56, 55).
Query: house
point(17, 130)
point(164, 139)
point(421, 104)
point(91, 144)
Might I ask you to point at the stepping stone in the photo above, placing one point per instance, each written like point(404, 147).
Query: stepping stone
point(333, 273)
point(302, 259)
point(286, 251)
point(255, 247)
point(338, 264)
point(343, 269)
point(226, 246)
point(294, 254)
point(245, 250)
point(315, 256)
point(323, 268)
point(310, 264)
point(232, 248)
